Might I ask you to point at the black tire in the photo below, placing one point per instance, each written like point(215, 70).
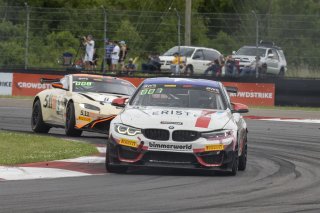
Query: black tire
point(235, 164)
point(113, 168)
point(243, 158)
point(71, 122)
point(189, 70)
point(37, 123)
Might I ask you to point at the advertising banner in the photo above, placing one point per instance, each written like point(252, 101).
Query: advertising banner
point(23, 84)
point(29, 84)
point(5, 83)
point(253, 94)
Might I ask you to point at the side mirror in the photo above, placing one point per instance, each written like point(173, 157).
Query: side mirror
point(239, 108)
point(57, 85)
point(119, 102)
point(233, 52)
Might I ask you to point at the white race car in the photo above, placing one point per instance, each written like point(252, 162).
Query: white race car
point(79, 102)
point(178, 123)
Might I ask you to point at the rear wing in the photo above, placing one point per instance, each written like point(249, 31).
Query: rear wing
point(49, 80)
point(232, 89)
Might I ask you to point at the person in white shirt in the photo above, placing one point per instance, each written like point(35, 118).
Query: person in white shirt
point(88, 42)
point(115, 56)
point(252, 68)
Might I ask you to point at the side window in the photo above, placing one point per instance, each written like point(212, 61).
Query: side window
point(275, 54)
point(65, 82)
point(211, 55)
point(198, 55)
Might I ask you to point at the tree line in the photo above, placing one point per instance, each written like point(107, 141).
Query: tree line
point(151, 26)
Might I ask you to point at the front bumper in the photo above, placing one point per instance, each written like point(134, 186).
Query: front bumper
point(142, 157)
point(100, 125)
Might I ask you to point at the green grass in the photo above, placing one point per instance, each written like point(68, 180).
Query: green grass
point(18, 148)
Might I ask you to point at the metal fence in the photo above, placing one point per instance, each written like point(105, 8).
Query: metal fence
point(32, 37)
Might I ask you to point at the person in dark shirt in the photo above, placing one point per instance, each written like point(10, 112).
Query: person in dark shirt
point(214, 67)
point(152, 65)
point(109, 50)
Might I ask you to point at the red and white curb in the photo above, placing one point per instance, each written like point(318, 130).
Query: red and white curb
point(82, 166)
point(298, 120)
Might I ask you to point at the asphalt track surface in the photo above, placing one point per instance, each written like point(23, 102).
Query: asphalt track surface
point(283, 175)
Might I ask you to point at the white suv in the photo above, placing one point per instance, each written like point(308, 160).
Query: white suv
point(196, 58)
point(271, 56)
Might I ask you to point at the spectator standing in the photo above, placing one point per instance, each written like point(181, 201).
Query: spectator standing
point(115, 56)
point(88, 42)
point(152, 65)
point(130, 68)
point(252, 68)
point(214, 67)
point(230, 67)
point(109, 50)
point(123, 53)
point(176, 63)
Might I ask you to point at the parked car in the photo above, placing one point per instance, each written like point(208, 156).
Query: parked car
point(78, 102)
point(196, 59)
point(271, 56)
point(178, 123)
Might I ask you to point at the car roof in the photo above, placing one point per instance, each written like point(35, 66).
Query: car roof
point(262, 47)
point(207, 48)
point(94, 76)
point(104, 77)
point(187, 81)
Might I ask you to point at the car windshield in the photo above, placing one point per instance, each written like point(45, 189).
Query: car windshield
point(102, 85)
point(251, 51)
point(177, 95)
point(184, 51)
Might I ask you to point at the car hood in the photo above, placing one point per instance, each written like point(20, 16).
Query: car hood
point(182, 118)
point(101, 97)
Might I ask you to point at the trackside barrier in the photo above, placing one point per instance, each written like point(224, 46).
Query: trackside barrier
point(26, 84)
point(262, 92)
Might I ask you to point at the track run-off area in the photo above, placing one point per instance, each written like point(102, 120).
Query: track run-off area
point(282, 175)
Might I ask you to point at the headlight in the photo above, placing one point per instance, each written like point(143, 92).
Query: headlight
point(89, 106)
point(126, 130)
point(217, 134)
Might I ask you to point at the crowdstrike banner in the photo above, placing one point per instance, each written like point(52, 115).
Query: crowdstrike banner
point(29, 84)
point(6, 83)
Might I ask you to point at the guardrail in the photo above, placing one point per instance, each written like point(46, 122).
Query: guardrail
point(263, 92)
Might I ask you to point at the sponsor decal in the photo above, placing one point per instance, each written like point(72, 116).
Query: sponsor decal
point(170, 85)
point(176, 147)
point(204, 120)
point(214, 147)
point(29, 84)
point(253, 94)
point(127, 142)
point(5, 83)
point(171, 112)
point(171, 122)
point(83, 83)
point(214, 90)
point(83, 118)
point(151, 91)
